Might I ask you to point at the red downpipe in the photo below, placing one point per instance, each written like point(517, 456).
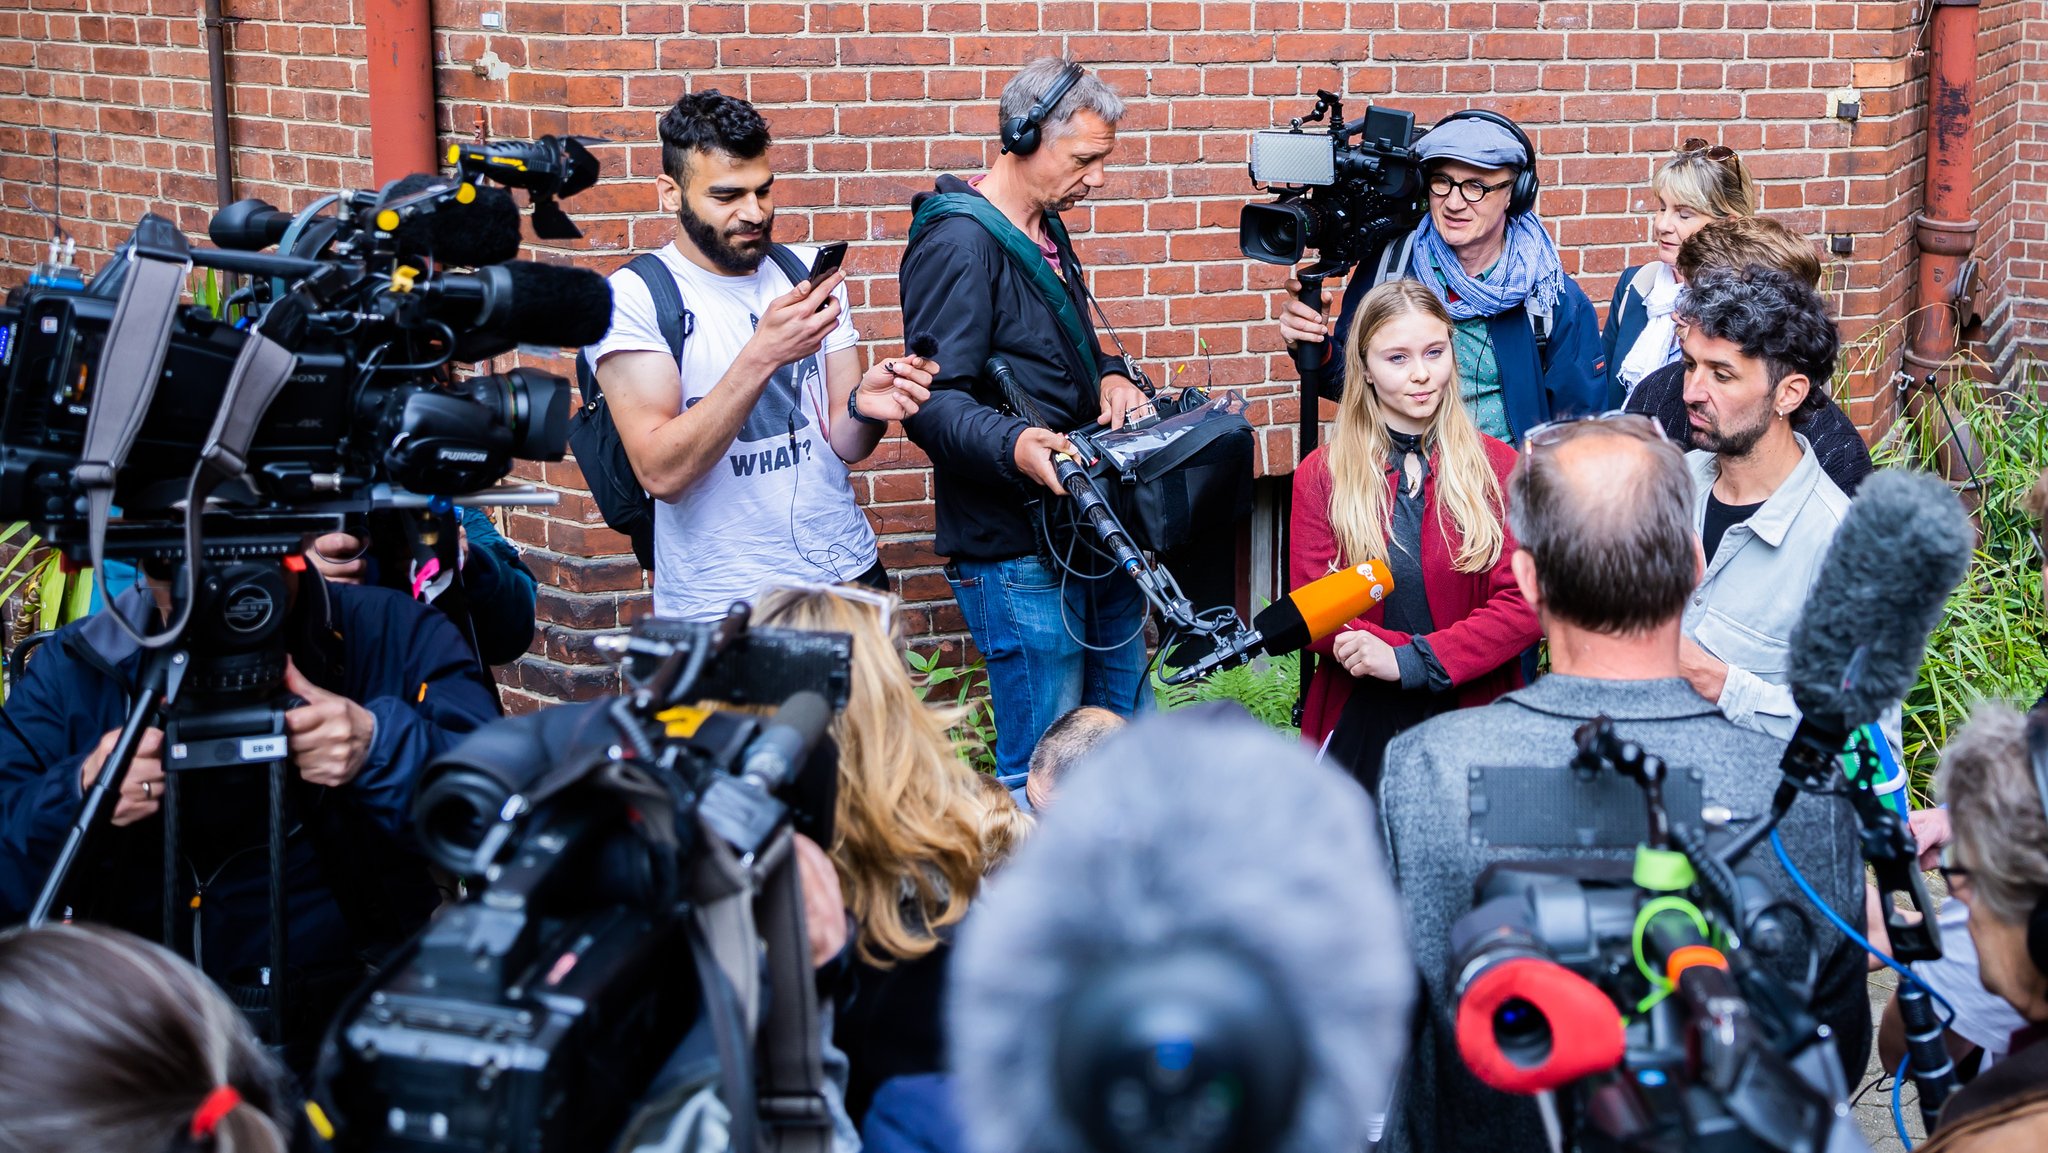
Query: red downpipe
point(401, 40)
point(1944, 227)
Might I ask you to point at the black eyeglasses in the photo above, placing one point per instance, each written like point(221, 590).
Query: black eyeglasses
point(1956, 877)
point(1473, 191)
point(1698, 146)
point(1555, 432)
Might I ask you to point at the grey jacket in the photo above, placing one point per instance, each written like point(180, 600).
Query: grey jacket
point(1424, 801)
point(1756, 583)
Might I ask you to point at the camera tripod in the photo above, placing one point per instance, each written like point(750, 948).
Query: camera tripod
point(215, 687)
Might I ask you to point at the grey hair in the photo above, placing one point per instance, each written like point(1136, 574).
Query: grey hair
point(1179, 835)
point(1987, 781)
point(115, 1042)
point(1618, 567)
point(1089, 93)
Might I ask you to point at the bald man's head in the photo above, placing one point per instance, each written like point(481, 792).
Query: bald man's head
point(1606, 512)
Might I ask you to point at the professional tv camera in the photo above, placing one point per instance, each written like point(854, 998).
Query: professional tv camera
point(1342, 199)
point(206, 441)
point(1637, 990)
point(614, 850)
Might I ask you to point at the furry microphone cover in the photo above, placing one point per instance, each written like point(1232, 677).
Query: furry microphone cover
point(1903, 547)
point(1183, 834)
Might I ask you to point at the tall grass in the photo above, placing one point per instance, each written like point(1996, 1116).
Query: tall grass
point(1992, 642)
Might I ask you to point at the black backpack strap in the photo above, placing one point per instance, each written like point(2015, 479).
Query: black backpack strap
point(676, 320)
point(790, 263)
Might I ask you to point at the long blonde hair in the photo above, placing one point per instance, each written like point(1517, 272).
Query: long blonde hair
point(1467, 487)
point(907, 829)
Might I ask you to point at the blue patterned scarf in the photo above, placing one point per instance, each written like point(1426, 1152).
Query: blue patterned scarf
point(1527, 271)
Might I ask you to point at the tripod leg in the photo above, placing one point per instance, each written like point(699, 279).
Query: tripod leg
point(170, 820)
point(277, 903)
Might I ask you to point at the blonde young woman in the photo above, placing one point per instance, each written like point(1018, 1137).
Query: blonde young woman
point(1407, 479)
point(1702, 183)
point(907, 843)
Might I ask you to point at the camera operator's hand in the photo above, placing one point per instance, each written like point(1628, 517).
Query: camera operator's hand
point(1301, 324)
point(1364, 654)
point(1119, 397)
point(339, 557)
point(329, 736)
point(141, 792)
point(824, 903)
point(1033, 456)
point(795, 326)
point(1930, 831)
point(894, 389)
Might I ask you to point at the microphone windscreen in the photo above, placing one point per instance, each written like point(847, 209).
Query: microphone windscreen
point(924, 344)
point(1902, 548)
point(555, 304)
point(1179, 837)
point(484, 231)
point(1321, 607)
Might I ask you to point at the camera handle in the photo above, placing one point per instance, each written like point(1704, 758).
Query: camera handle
point(1309, 360)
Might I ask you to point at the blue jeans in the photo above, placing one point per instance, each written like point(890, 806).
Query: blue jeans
point(1029, 627)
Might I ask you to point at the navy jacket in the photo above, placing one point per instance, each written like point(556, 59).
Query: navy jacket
point(1617, 339)
point(400, 660)
point(1569, 378)
point(498, 588)
point(959, 286)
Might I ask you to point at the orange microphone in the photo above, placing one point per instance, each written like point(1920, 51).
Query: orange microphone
point(1299, 619)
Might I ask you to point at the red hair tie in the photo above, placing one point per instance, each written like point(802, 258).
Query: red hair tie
point(217, 1105)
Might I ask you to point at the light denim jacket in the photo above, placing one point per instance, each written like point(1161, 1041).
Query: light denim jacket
point(1756, 584)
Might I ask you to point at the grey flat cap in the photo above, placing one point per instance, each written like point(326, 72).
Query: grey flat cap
point(1479, 142)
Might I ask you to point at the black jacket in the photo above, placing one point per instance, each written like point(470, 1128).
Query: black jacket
point(959, 286)
point(400, 660)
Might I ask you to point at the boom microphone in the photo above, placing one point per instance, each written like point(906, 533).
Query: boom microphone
point(1857, 647)
point(1299, 619)
point(526, 302)
point(1213, 957)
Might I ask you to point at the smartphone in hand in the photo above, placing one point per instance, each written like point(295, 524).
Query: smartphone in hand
point(830, 257)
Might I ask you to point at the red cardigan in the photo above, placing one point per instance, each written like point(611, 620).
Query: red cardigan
point(1482, 622)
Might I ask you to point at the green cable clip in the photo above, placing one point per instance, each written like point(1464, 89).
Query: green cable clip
point(1662, 870)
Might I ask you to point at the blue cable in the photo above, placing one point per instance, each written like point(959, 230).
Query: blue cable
point(1835, 919)
point(1898, 1115)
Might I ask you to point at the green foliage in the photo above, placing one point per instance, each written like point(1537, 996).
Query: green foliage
point(975, 732)
point(1267, 688)
point(1990, 642)
point(51, 597)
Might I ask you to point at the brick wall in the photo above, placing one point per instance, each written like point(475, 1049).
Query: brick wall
point(869, 100)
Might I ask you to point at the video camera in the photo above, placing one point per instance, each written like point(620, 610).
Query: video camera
point(1344, 199)
point(1638, 990)
point(610, 847)
point(321, 385)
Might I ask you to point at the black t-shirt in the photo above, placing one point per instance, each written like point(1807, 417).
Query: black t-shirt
point(1721, 518)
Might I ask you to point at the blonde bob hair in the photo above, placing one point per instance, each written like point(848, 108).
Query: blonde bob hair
point(907, 830)
point(1468, 490)
point(1719, 188)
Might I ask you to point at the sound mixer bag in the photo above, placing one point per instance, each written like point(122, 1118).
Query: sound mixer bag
point(1190, 463)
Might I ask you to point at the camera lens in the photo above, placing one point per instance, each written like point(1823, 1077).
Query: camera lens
point(533, 406)
point(1522, 1032)
point(1276, 233)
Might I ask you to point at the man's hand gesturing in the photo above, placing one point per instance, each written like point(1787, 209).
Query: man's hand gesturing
point(329, 736)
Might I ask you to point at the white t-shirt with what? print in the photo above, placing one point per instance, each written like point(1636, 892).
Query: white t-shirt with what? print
point(777, 505)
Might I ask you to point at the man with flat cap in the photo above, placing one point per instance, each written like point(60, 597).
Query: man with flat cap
point(1526, 339)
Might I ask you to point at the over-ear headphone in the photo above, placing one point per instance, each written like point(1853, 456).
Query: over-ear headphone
point(1522, 197)
point(2037, 752)
point(1020, 135)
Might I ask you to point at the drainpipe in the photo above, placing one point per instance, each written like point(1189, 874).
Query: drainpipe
point(217, 84)
point(1944, 229)
point(401, 84)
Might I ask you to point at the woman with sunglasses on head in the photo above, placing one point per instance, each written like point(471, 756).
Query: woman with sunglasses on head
point(1407, 479)
point(1701, 184)
point(907, 845)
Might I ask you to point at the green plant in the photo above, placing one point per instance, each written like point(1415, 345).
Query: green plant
point(50, 596)
point(1990, 642)
point(1267, 688)
point(975, 732)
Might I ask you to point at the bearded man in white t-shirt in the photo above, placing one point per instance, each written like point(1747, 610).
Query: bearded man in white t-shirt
point(744, 442)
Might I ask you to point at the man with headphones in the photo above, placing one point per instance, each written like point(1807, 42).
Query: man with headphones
point(1527, 341)
point(990, 271)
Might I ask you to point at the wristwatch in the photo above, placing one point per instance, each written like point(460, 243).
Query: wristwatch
point(853, 410)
